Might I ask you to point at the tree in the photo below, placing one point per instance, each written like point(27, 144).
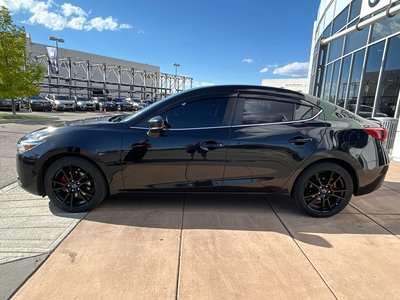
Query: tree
point(19, 75)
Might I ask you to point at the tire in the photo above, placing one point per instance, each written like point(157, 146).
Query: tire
point(86, 189)
point(323, 190)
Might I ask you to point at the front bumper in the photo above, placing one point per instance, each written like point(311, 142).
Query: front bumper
point(27, 172)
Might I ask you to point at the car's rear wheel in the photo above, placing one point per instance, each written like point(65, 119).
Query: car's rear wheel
point(74, 184)
point(323, 189)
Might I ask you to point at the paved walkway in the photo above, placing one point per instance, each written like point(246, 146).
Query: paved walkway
point(228, 247)
point(30, 230)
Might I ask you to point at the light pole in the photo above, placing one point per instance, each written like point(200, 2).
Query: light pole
point(176, 68)
point(57, 40)
point(176, 77)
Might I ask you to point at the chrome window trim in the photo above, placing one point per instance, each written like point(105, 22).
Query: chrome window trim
point(237, 126)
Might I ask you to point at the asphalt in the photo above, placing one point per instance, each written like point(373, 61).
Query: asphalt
point(227, 247)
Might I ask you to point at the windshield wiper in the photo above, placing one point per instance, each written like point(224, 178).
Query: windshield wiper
point(117, 118)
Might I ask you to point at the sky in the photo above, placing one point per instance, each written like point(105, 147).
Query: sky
point(214, 41)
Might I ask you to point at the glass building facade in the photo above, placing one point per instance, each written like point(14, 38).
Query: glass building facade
point(361, 70)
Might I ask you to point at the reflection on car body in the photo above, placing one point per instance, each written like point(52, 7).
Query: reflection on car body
point(227, 139)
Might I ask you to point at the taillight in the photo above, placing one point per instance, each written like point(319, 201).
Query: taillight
point(379, 133)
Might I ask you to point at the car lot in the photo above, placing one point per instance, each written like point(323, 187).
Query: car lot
point(207, 247)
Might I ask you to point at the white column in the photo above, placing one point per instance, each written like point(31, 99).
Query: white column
point(396, 146)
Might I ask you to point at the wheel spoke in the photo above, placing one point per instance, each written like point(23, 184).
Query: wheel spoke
point(65, 174)
point(341, 198)
point(339, 191)
point(312, 183)
point(70, 170)
point(86, 182)
point(57, 182)
point(316, 175)
point(330, 177)
point(66, 197)
point(82, 177)
point(339, 177)
point(57, 189)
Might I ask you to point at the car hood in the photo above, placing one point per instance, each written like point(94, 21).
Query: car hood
point(60, 128)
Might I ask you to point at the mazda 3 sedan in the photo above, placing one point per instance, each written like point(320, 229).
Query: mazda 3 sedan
point(220, 139)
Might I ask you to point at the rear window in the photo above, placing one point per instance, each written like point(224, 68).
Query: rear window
point(262, 111)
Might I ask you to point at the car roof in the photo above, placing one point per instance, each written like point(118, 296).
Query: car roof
point(243, 91)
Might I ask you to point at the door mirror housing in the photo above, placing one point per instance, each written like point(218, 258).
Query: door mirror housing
point(156, 126)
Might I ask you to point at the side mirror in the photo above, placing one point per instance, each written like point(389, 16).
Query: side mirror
point(156, 126)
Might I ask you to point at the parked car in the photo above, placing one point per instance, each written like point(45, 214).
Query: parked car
point(138, 104)
point(83, 103)
point(236, 139)
point(6, 104)
point(106, 105)
point(37, 103)
point(61, 102)
point(122, 104)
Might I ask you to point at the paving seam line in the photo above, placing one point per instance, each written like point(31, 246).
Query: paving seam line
point(8, 187)
point(380, 225)
point(26, 257)
point(178, 275)
point(390, 188)
point(50, 252)
point(304, 253)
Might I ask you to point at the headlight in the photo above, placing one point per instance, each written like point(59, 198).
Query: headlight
point(57, 102)
point(28, 145)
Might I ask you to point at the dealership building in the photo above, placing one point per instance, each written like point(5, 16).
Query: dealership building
point(355, 59)
point(72, 72)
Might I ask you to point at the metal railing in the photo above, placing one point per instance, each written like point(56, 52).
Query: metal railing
point(391, 125)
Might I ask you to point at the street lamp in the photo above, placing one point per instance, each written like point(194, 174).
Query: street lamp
point(176, 68)
point(57, 40)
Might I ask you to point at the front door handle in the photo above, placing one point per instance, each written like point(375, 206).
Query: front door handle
point(300, 140)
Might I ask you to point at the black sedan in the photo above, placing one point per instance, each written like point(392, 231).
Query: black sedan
point(38, 103)
point(106, 105)
point(227, 139)
point(122, 104)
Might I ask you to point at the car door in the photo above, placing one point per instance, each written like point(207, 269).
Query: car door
point(188, 154)
point(269, 140)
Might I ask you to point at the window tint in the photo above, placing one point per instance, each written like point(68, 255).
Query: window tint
point(304, 112)
point(258, 111)
point(203, 113)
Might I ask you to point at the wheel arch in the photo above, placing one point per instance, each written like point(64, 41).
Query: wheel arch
point(347, 166)
point(57, 156)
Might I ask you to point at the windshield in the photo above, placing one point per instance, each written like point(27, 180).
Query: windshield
point(154, 106)
point(62, 98)
point(82, 99)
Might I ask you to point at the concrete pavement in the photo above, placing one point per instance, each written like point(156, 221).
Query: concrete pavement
point(230, 247)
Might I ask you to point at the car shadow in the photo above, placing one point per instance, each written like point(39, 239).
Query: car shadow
point(246, 212)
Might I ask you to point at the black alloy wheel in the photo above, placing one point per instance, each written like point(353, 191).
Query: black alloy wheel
point(323, 190)
point(74, 184)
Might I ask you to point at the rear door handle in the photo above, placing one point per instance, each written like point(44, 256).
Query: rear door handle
point(300, 140)
point(211, 145)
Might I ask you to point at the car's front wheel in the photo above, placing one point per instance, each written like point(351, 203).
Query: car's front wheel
point(323, 189)
point(74, 184)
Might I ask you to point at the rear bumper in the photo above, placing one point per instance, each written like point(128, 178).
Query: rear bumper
point(371, 180)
